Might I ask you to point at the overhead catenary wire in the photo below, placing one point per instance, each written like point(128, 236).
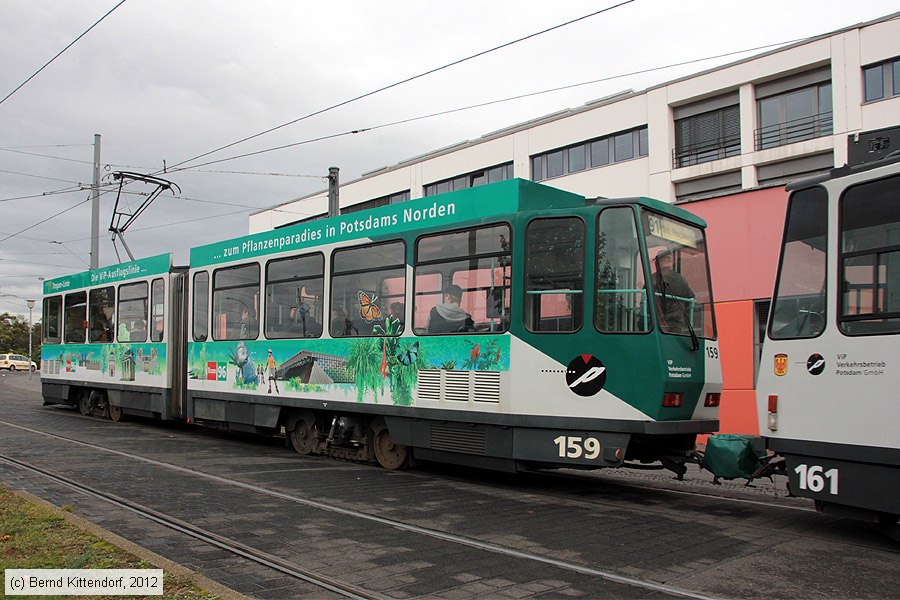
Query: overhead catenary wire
point(483, 104)
point(406, 80)
point(58, 54)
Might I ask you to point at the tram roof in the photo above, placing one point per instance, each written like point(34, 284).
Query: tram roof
point(443, 210)
point(134, 269)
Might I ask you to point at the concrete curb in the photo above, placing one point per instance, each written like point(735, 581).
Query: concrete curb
point(160, 562)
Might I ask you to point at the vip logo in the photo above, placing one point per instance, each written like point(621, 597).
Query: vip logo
point(211, 371)
point(221, 371)
point(815, 364)
point(586, 375)
point(781, 364)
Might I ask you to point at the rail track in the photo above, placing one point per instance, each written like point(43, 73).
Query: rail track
point(294, 570)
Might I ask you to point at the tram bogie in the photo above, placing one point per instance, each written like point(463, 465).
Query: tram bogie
point(503, 326)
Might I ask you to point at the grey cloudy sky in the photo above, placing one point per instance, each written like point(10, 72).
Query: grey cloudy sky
point(167, 80)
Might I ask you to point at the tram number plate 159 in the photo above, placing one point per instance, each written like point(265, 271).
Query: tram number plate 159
point(577, 447)
point(815, 478)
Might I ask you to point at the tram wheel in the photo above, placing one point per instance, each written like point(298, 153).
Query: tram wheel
point(304, 436)
point(84, 403)
point(391, 456)
point(115, 412)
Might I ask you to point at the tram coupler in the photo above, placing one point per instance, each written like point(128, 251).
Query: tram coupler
point(676, 466)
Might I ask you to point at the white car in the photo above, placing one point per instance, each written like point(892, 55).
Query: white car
point(16, 362)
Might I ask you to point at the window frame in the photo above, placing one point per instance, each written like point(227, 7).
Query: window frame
point(889, 72)
point(580, 293)
point(640, 142)
point(416, 263)
point(877, 252)
point(349, 272)
point(194, 306)
point(225, 288)
point(92, 305)
point(151, 324)
point(778, 273)
point(84, 337)
point(119, 301)
point(640, 241)
point(45, 322)
point(267, 282)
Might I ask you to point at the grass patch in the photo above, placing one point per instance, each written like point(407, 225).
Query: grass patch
point(32, 537)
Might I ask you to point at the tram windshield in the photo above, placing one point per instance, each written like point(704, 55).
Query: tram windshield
point(679, 276)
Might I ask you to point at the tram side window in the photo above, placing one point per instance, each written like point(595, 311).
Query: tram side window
point(200, 316)
point(462, 281)
point(101, 310)
point(366, 284)
point(621, 300)
point(870, 258)
point(294, 295)
point(132, 312)
point(799, 302)
point(157, 310)
point(52, 316)
point(75, 317)
point(235, 300)
point(554, 275)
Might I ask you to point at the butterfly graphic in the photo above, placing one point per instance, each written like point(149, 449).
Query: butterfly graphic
point(368, 310)
point(409, 356)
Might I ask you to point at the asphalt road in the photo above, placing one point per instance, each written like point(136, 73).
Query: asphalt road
point(436, 531)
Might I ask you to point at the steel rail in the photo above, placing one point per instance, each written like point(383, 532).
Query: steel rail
point(440, 535)
point(229, 545)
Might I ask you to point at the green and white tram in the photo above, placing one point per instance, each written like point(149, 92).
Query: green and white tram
point(505, 326)
point(113, 340)
point(502, 326)
point(830, 370)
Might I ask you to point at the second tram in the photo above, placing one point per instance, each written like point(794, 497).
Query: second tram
point(830, 369)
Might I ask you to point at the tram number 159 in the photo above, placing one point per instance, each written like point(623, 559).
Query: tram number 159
point(813, 479)
point(576, 447)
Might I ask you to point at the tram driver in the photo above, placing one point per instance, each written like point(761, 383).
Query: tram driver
point(674, 295)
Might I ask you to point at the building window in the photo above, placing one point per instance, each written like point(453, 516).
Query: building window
point(707, 136)
point(590, 154)
point(317, 217)
point(377, 202)
point(794, 116)
point(469, 180)
point(882, 80)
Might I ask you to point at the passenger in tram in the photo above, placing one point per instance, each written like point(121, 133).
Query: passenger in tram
point(341, 324)
point(449, 316)
point(249, 325)
point(302, 323)
point(673, 293)
point(104, 327)
point(397, 312)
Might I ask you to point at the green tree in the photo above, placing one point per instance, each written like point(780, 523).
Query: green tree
point(14, 336)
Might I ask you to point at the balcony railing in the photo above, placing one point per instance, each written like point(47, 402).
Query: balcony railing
point(789, 132)
point(701, 152)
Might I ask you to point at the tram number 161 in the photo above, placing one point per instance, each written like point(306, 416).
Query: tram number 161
point(813, 479)
point(576, 447)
